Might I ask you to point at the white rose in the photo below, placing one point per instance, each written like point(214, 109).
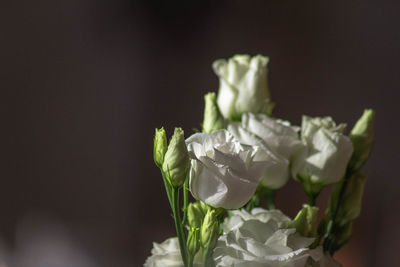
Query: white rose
point(242, 85)
point(277, 138)
point(326, 154)
point(260, 238)
point(224, 173)
point(168, 254)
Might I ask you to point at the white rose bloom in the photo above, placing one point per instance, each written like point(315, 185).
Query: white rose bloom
point(261, 239)
point(326, 154)
point(224, 173)
point(276, 137)
point(168, 254)
point(243, 85)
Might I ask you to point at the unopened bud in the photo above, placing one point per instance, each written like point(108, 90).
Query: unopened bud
point(195, 215)
point(213, 119)
point(362, 136)
point(176, 161)
point(345, 201)
point(160, 146)
point(193, 242)
point(209, 230)
point(350, 206)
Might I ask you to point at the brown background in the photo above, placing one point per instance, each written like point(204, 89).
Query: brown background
point(84, 84)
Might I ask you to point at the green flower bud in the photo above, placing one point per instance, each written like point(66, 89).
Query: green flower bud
point(195, 215)
point(204, 207)
point(193, 242)
point(209, 230)
point(213, 119)
point(361, 136)
point(345, 205)
point(350, 207)
point(305, 221)
point(176, 162)
point(160, 146)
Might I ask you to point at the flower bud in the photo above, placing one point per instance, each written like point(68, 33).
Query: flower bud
point(305, 221)
point(193, 243)
point(345, 202)
point(243, 85)
point(176, 162)
point(195, 215)
point(350, 206)
point(213, 119)
point(204, 207)
point(160, 146)
point(361, 136)
point(209, 230)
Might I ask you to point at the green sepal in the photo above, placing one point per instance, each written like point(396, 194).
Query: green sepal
point(305, 221)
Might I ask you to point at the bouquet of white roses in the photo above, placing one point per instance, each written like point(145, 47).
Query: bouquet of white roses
point(233, 168)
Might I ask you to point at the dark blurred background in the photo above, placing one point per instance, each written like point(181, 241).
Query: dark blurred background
point(84, 84)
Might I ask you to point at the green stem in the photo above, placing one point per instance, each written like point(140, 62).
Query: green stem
point(312, 195)
point(311, 189)
point(206, 256)
point(167, 188)
point(178, 225)
point(253, 202)
point(269, 196)
point(312, 199)
point(190, 261)
point(185, 202)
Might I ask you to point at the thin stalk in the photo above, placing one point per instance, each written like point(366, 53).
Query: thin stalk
point(190, 260)
point(167, 188)
point(269, 196)
point(312, 199)
point(206, 256)
point(253, 202)
point(178, 225)
point(185, 202)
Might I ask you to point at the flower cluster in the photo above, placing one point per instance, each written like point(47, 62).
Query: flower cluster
point(238, 161)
